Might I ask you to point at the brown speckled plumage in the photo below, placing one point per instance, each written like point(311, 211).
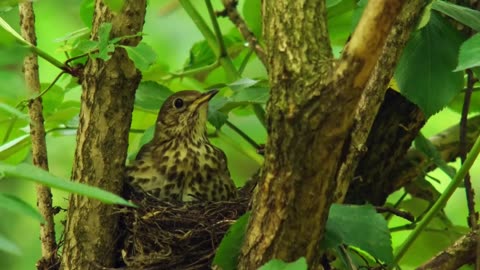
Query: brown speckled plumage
point(179, 163)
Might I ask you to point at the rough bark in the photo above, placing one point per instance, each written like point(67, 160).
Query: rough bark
point(102, 140)
point(37, 133)
point(396, 126)
point(310, 113)
point(374, 93)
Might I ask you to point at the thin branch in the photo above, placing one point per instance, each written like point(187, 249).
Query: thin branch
point(37, 133)
point(234, 16)
point(470, 193)
point(462, 252)
point(391, 210)
point(440, 203)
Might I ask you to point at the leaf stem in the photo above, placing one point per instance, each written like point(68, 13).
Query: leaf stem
point(242, 134)
point(440, 203)
point(212, 40)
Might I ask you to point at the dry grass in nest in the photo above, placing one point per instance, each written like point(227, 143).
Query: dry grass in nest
point(167, 235)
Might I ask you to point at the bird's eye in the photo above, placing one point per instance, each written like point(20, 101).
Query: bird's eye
point(178, 103)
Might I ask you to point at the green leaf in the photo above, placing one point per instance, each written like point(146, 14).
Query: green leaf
point(457, 103)
point(252, 95)
point(201, 54)
point(217, 118)
point(14, 111)
point(424, 145)
point(51, 99)
point(469, 56)
point(424, 73)
point(104, 46)
point(142, 55)
point(14, 146)
point(114, 5)
point(18, 206)
point(84, 46)
point(359, 226)
point(227, 253)
point(37, 175)
point(300, 264)
point(80, 33)
point(339, 20)
point(242, 84)
point(64, 113)
point(252, 13)
point(466, 16)
point(151, 95)
point(9, 246)
point(86, 12)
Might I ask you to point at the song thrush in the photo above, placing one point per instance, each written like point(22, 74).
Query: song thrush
point(180, 163)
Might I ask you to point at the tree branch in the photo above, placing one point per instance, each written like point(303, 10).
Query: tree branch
point(92, 231)
point(462, 252)
point(232, 13)
point(374, 93)
point(37, 133)
point(310, 115)
point(469, 192)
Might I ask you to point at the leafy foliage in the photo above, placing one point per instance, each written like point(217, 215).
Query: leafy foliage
point(32, 173)
point(227, 253)
point(469, 54)
point(300, 264)
point(425, 71)
point(359, 226)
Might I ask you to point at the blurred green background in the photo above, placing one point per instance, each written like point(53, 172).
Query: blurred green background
point(171, 33)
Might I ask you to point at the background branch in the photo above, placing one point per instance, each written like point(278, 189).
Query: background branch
point(232, 13)
point(37, 133)
point(460, 253)
point(374, 93)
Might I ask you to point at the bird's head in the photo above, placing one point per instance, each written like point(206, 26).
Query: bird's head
point(184, 114)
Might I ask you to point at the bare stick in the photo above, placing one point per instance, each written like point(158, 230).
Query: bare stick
point(37, 133)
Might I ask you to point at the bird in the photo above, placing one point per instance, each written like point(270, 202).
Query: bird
point(180, 163)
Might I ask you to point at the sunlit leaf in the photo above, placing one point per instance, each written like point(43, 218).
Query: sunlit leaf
point(469, 56)
point(9, 148)
point(424, 73)
point(14, 111)
point(142, 55)
point(35, 174)
point(359, 226)
point(300, 264)
point(151, 95)
point(64, 113)
point(227, 253)
point(242, 84)
point(18, 206)
point(80, 33)
point(466, 16)
point(9, 246)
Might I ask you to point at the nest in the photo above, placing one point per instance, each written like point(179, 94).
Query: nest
point(175, 235)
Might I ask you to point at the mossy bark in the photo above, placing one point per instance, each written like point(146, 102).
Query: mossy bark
point(108, 95)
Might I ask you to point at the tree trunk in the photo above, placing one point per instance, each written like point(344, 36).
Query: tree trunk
point(107, 102)
point(310, 113)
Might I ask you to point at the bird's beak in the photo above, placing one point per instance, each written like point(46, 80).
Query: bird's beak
point(205, 97)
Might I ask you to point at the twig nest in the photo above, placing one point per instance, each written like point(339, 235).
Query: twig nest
point(175, 235)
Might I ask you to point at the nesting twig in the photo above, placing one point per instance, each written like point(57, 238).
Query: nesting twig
point(174, 235)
